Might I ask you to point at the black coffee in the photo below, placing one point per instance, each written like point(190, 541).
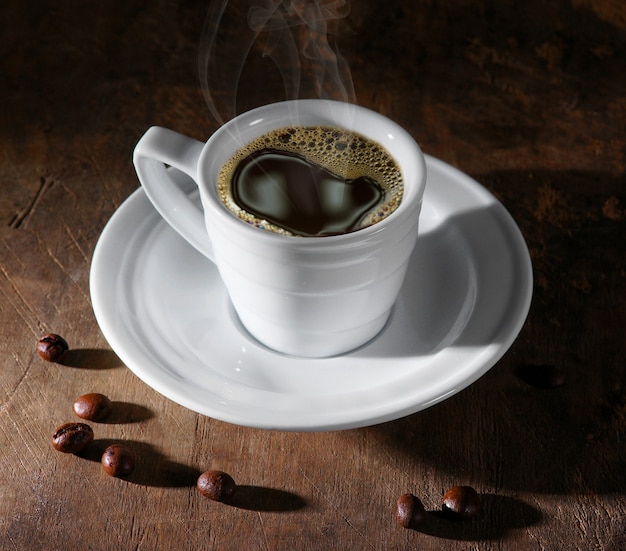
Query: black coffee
point(311, 181)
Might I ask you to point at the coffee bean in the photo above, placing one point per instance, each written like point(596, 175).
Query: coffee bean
point(216, 485)
point(118, 461)
point(461, 502)
point(542, 376)
point(409, 511)
point(93, 406)
point(52, 348)
point(72, 437)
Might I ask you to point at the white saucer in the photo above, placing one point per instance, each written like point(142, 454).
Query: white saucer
point(164, 311)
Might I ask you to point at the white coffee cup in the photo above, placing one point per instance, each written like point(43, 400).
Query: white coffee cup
point(303, 296)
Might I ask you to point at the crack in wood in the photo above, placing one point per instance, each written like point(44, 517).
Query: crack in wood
point(21, 218)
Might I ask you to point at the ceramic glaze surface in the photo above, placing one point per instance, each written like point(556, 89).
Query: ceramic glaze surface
point(166, 313)
point(304, 296)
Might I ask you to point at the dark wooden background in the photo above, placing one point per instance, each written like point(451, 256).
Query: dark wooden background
point(527, 97)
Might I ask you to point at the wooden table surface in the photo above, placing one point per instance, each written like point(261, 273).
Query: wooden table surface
point(528, 98)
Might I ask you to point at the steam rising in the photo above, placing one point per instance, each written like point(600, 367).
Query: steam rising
point(298, 37)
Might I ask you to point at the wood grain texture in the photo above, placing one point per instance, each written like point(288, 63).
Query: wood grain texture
point(528, 98)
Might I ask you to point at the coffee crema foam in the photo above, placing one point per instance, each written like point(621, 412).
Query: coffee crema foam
point(345, 154)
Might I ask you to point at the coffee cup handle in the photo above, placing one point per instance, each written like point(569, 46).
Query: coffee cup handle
point(157, 149)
